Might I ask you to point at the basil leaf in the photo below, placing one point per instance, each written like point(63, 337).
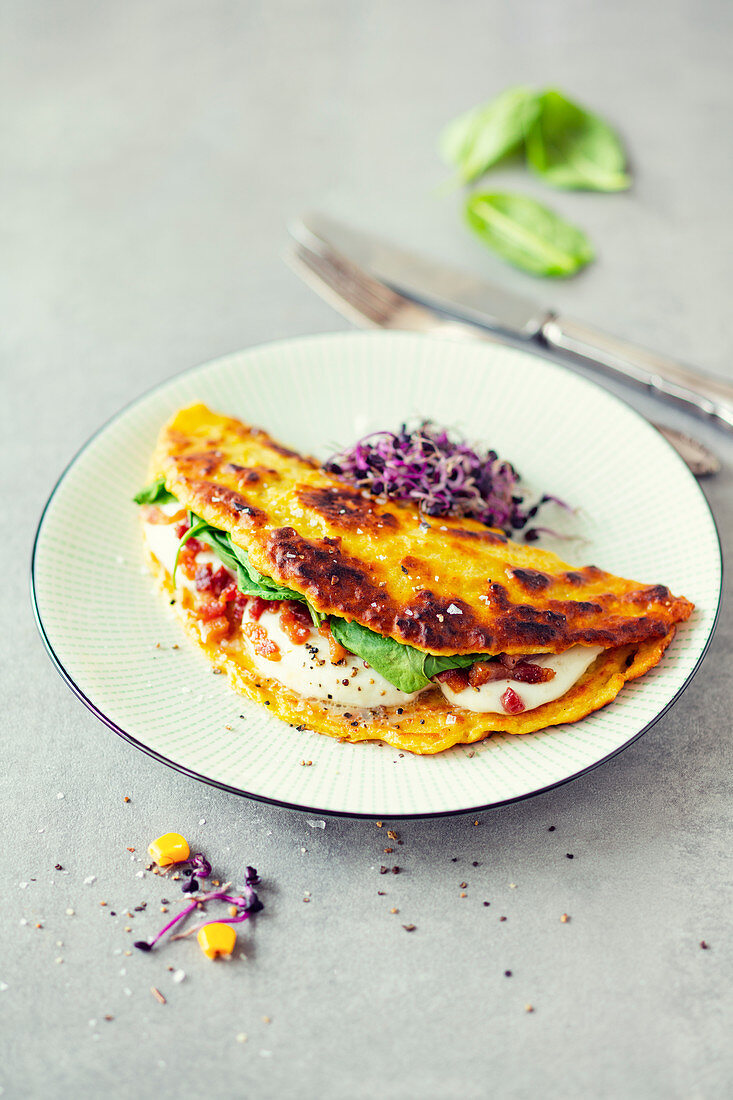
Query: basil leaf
point(407, 668)
point(400, 664)
point(570, 147)
point(154, 493)
point(482, 136)
point(528, 234)
point(433, 665)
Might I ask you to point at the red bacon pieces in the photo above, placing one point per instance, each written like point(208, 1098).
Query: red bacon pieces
point(511, 702)
point(483, 672)
point(526, 673)
point(296, 621)
point(455, 678)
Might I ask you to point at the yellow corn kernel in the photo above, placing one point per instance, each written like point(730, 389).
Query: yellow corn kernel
point(217, 939)
point(169, 848)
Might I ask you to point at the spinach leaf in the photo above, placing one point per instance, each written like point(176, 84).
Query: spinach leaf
point(433, 665)
point(570, 147)
point(407, 668)
point(400, 664)
point(528, 234)
point(154, 493)
point(249, 581)
point(482, 136)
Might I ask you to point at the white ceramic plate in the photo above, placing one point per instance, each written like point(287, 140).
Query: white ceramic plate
point(641, 512)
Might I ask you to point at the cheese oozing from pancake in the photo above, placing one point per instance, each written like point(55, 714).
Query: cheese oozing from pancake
point(306, 668)
point(568, 668)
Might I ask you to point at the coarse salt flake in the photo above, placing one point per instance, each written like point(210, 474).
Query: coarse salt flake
point(90, 879)
point(453, 610)
point(450, 719)
point(178, 976)
point(317, 824)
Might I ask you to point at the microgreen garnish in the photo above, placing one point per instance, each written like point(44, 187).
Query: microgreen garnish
point(442, 475)
point(246, 904)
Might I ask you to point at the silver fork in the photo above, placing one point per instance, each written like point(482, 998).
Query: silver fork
point(369, 303)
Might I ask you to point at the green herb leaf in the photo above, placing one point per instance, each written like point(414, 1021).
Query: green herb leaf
point(249, 581)
point(482, 136)
point(154, 493)
point(407, 668)
point(528, 234)
point(400, 664)
point(570, 147)
point(433, 665)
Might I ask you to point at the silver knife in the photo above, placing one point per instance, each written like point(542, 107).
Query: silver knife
point(366, 301)
point(468, 299)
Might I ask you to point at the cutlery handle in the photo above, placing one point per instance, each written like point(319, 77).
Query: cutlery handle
point(702, 394)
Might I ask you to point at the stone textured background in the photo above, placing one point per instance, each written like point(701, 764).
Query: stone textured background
point(152, 154)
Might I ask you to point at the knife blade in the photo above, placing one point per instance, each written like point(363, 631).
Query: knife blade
point(469, 299)
point(367, 302)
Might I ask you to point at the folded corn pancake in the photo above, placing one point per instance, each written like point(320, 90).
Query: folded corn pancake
point(363, 619)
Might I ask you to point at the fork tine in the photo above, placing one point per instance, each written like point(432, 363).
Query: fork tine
point(346, 281)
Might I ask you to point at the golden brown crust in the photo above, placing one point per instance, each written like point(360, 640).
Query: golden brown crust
point(429, 724)
point(446, 586)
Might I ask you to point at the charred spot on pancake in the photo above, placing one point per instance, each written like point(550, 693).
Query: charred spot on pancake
point(657, 593)
point(346, 508)
point(229, 501)
point(573, 577)
point(498, 597)
point(532, 579)
point(250, 475)
point(490, 537)
point(442, 622)
point(203, 463)
point(575, 608)
point(319, 566)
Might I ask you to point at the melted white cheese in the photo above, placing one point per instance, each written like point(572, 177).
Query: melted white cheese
point(569, 667)
point(305, 668)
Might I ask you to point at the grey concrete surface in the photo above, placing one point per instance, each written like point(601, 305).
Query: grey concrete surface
point(152, 153)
